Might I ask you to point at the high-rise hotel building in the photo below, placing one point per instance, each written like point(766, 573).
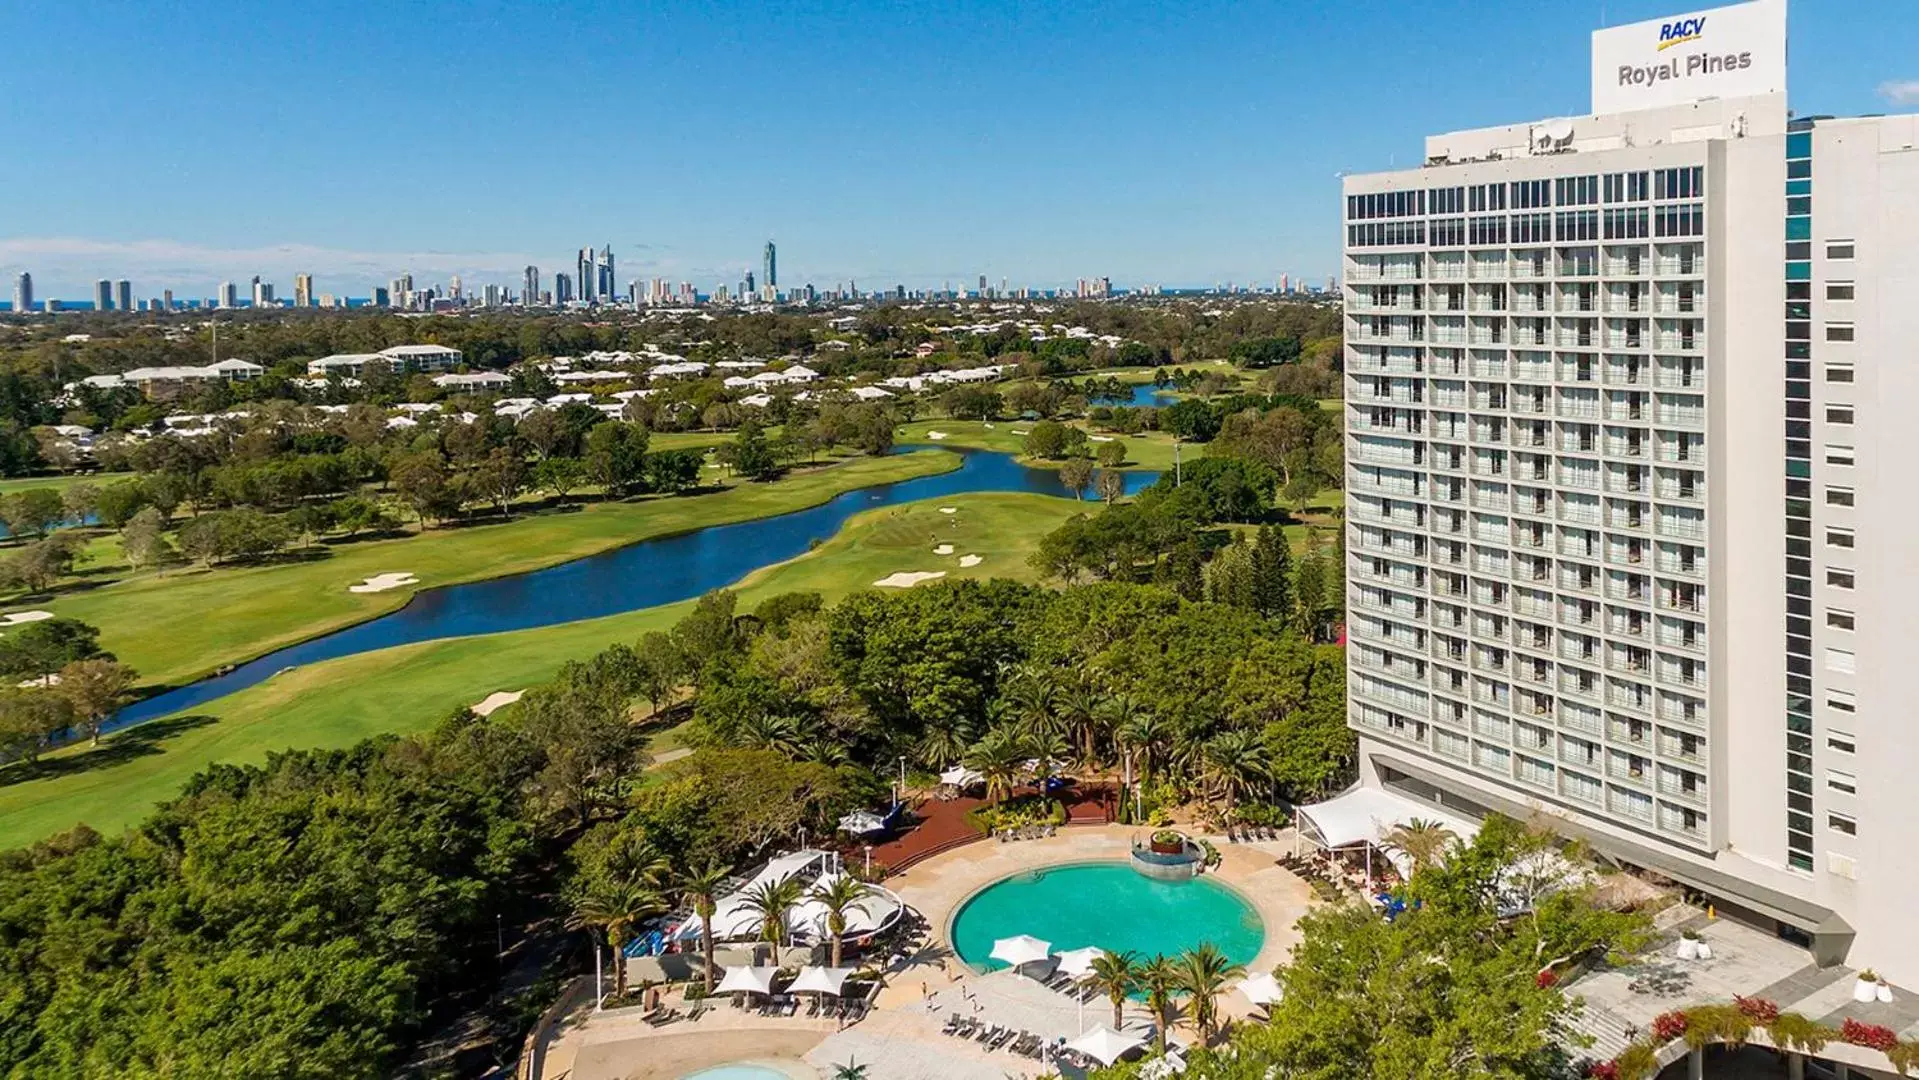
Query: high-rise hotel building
point(1632, 543)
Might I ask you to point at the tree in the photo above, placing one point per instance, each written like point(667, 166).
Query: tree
point(662, 666)
point(616, 457)
point(1116, 975)
point(1422, 841)
point(1076, 473)
point(30, 719)
point(143, 539)
point(81, 501)
point(1111, 455)
point(1160, 978)
point(998, 759)
point(559, 475)
point(423, 483)
point(773, 902)
point(1194, 421)
point(701, 889)
point(96, 689)
point(118, 502)
point(33, 512)
point(36, 566)
point(613, 908)
point(501, 476)
point(1110, 485)
point(1235, 764)
point(42, 648)
point(1272, 572)
point(749, 455)
point(838, 895)
point(674, 471)
point(1203, 972)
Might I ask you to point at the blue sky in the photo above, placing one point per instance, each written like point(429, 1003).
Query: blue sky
point(1183, 144)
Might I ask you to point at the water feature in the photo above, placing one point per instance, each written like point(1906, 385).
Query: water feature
point(1109, 906)
point(1141, 396)
point(640, 575)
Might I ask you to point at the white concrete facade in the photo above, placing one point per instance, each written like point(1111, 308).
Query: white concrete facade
point(1572, 587)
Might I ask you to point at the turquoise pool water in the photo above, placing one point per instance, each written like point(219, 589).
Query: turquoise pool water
point(738, 1070)
point(1109, 906)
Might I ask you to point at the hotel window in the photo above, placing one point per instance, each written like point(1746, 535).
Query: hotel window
point(1838, 414)
point(1839, 538)
point(1839, 290)
point(1838, 331)
point(1841, 742)
point(1839, 579)
point(1838, 455)
point(1838, 249)
point(1840, 823)
point(1842, 661)
point(1838, 496)
point(1841, 701)
point(1840, 373)
point(1843, 782)
point(1839, 620)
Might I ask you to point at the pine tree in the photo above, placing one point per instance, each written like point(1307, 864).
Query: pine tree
point(1272, 574)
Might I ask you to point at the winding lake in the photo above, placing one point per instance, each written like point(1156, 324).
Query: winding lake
point(640, 575)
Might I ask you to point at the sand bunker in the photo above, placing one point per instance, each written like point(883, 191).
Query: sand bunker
point(383, 582)
point(949, 509)
point(936, 435)
point(970, 560)
point(943, 549)
point(1021, 431)
point(906, 579)
point(18, 618)
point(497, 700)
point(988, 424)
point(1100, 438)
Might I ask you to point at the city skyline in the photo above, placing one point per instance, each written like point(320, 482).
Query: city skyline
point(1227, 170)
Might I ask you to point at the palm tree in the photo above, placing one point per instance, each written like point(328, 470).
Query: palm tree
point(773, 901)
point(1142, 732)
point(997, 758)
point(630, 856)
point(1423, 842)
point(1160, 978)
point(940, 745)
point(1203, 972)
point(701, 888)
point(852, 1070)
point(1117, 975)
point(1032, 696)
point(837, 895)
point(1048, 749)
point(1079, 709)
point(613, 907)
point(1234, 762)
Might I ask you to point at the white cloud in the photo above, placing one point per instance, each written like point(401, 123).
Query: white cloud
point(1900, 91)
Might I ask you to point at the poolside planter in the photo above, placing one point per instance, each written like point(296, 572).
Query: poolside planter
point(1865, 990)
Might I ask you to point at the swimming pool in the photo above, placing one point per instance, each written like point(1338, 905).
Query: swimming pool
point(738, 1070)
point(1108, 906)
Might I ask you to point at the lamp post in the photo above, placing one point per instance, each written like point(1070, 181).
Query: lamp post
point(869, 861)
point(899, 788)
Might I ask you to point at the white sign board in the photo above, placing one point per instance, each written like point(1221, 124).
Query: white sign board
point(1726, 52)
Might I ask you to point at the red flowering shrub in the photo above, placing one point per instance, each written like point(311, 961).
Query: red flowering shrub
point(1668, 1026)
point(1603, 1070)
point(1546, 979)
point(1870, 1036)
point(1758, 1010)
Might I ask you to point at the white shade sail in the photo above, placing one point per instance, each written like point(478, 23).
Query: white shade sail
point(861, 822)
point(747, 980)
point(1162, 1067)
point(1079, 962)
point(820, 980)
point(1021, 949)
point(1104, 1045)
point(1366, 815)
point(1261, 989)
point(960, 776)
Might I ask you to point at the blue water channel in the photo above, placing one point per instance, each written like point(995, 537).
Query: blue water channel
point(1142, 396)
point(640, 575)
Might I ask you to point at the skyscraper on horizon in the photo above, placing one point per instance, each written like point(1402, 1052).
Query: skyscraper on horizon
point(23, 292)
point(584, 273)
point(770, 268)
point(303, 290)
point(229, 295)
point(123, 295)
point(608, 288)
point(562, 289)
point(530, 286)
point(103, 295)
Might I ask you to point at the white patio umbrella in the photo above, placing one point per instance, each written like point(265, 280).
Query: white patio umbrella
point(1079, 962)
point(1162, 1067)
point(746, 980)
point(1261, 989)
point(1021, 949)
point(1104, 1045)
point(820, 980)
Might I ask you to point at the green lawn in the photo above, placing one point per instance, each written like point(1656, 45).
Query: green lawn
point(1147, 450)
point(22, 483)
point(176, 626)
point(408, 688)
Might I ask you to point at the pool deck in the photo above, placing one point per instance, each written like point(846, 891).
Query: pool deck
point(900, 1039)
